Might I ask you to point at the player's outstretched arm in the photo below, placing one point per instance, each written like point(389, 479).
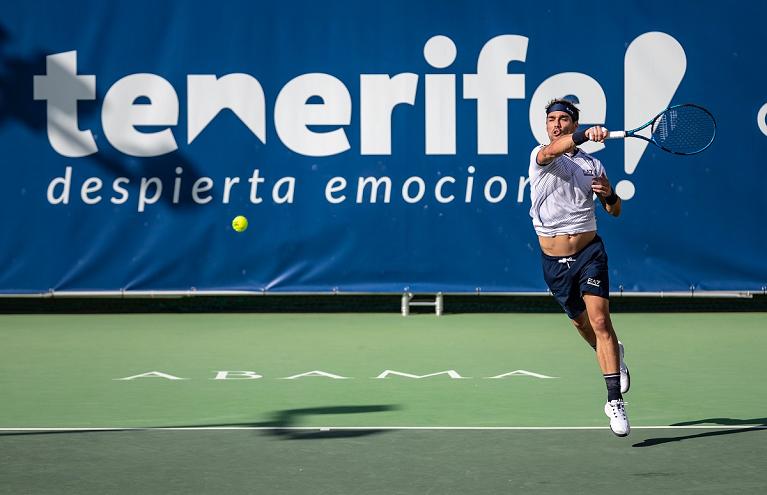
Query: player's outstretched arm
point(568, 142)
point(557, 147)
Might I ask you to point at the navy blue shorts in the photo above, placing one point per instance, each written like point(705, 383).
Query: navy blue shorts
point(584, 272)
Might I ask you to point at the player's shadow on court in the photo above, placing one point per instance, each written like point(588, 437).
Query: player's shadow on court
point(283, 423)
point(756, 424)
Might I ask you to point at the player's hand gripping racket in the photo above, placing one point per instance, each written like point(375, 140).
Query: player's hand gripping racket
point(680, 129)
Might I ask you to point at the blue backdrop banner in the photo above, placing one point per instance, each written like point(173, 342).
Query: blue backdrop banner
point(373, 146)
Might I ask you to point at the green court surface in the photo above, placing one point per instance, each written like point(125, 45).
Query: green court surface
point(377, 403)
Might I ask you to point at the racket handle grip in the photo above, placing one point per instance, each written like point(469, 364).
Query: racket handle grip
point(616, 134)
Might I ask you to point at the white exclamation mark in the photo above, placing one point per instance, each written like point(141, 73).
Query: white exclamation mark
point(654, 66)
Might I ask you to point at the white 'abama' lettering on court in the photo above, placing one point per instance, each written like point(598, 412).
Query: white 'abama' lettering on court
point(252, 375)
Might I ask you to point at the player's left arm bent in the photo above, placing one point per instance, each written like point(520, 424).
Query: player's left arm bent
point(606, 194)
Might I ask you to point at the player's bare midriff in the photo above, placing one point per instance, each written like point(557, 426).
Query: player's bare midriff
point(565, 244)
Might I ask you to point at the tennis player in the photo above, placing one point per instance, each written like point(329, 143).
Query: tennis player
point(564, 181)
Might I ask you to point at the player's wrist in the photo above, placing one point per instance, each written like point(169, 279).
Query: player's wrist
point(579, 137)
point(612, 198)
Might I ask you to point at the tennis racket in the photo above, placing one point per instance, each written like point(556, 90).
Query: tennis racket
point(684, 129)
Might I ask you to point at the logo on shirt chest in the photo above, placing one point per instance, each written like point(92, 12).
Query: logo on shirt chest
point(588, 172)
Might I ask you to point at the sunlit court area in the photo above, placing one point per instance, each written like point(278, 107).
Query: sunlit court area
point(382, 248)
point(374, 403)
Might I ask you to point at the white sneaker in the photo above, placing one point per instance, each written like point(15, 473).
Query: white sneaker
point(625, 376)
point(619, 422)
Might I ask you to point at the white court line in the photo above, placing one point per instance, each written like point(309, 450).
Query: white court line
point(353, 428)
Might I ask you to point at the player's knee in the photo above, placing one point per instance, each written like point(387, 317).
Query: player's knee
point(601, 324)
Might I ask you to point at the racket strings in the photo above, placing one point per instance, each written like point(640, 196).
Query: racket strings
point(686, 129)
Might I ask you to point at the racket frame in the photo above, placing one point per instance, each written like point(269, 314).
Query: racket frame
point(633, 132)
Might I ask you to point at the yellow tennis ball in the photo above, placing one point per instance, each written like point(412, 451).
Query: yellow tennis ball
point(240, 223)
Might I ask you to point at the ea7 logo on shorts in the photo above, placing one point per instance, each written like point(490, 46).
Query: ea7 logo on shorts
point(593, 282)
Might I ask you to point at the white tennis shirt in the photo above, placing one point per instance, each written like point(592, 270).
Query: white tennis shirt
point(561, 194)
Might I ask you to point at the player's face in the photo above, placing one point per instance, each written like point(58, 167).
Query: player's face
point(559, 123)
